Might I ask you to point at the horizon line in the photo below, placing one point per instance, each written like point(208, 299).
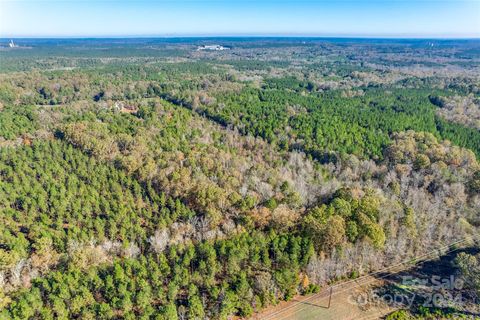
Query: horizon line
point(253, 35)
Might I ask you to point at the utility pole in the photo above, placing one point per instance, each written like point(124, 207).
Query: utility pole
point(330, 298)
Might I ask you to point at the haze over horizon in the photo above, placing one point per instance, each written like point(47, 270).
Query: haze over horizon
point(362, 18)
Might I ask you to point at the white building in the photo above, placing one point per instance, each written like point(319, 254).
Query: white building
point(215, 47)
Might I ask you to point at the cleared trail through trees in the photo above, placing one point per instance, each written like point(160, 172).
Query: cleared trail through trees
point(322, 305)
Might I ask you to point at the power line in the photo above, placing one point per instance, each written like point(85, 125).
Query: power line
point(414, 261)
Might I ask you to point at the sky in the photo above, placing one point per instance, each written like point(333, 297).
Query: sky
point(362, 18)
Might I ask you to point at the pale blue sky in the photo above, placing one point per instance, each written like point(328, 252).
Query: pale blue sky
point(404, 18)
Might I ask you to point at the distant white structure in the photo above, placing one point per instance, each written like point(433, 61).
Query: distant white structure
point(215, 47)
point(12, 44)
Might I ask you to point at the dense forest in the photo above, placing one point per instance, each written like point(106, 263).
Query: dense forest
point(144, 179)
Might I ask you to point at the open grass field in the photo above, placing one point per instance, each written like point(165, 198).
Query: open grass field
point(343, 304)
